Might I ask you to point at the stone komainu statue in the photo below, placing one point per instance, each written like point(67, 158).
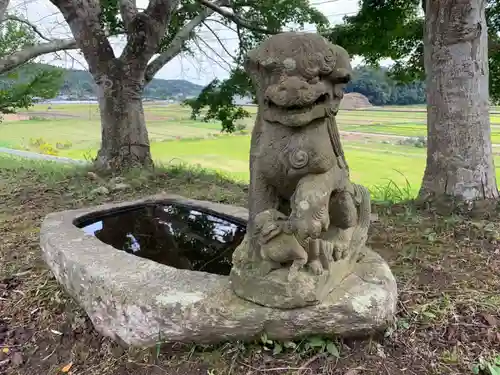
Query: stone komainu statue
point(307, 222)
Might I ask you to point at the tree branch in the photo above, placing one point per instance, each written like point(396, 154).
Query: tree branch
point(146, 31)
point(176, 45)
point(220, 41)
point(128, 11)
point(3, 9)
point(29, 24)
point(237, 20)
point(82, 17)
point(159, 10)
point(221, 23)
point(18, 58)
point(227, 69)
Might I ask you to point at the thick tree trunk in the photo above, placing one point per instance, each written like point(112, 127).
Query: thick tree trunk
point(3, 8)
point(124, 141)
point(459, 152)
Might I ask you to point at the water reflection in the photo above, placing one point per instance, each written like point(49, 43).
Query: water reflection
point(171, 234)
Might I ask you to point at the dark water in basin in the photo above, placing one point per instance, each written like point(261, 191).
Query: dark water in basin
point(171, 234)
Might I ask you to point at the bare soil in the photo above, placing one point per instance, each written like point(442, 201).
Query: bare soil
point(447, 270)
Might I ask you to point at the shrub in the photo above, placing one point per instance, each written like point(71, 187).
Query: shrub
point(48, 149)
point(420, 142)
point(240, 127)
point(37, 118)
point(41, 146)
point(64, 145)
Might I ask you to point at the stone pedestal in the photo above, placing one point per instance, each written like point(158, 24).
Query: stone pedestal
point(135, 300)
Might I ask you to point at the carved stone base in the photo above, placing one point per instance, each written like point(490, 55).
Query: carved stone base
point(278, 290)
point(135, 301)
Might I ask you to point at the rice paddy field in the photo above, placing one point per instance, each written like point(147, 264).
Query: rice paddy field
point(373, 139)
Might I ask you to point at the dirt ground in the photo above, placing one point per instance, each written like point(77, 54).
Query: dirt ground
point(15, 117)
point(447, 270)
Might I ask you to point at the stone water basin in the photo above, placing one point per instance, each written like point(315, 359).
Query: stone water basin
point(156, 270)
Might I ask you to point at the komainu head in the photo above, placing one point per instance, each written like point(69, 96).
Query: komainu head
point(299, 77)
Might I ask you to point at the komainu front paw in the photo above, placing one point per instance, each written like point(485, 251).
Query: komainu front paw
point(315, 267)
point(295, 268)
point(320, 255)
point(266, 266)
point(341, 251)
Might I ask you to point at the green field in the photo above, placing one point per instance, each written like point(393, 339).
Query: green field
point(175, 138)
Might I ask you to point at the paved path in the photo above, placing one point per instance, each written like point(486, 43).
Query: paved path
point(34, 155)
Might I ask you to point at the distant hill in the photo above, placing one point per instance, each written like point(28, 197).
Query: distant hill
point(79, 84)
point(373, 84)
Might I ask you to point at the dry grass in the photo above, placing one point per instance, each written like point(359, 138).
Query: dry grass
point(446, 267)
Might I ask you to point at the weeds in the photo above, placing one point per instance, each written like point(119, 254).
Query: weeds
point(391, 192)
point(42, 146)
point(487, 366)
point(313, 344)
point(446, 268)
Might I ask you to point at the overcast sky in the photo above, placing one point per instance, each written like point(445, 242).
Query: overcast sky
point(200, 69)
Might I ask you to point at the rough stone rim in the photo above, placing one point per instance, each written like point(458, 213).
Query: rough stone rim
point(136, 276)
point(132, 299)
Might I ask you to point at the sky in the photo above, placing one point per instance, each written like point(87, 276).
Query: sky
point(200, 69)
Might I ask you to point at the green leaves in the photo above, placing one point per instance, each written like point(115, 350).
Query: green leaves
point(218, 98)
point(332, 349)
point(381, 89)
point(487, 366)
point(40, 83)
point(321, 345)
point(394, 29)
point(386, 29)
point(15, 36)
point(310, 344)
point(20, 87)
point(273, 15)
point(270, 15)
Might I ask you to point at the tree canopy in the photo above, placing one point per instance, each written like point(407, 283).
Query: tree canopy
point(381, 89)
point(154, 36)
point(394, 29)
point(20, 91)
point(261, 19)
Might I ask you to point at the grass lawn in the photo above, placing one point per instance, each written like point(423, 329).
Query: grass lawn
point(372, 164)
point(446, 268)
point(176, 138)
point(165, 122)
point(406, 130)
point(230, 155)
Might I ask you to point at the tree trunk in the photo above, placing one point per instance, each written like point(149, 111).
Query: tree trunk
point(124, 141)
point(459, 152)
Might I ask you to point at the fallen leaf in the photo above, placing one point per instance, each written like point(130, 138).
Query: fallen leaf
point(17, 359)
point(5, 350)
point(66, 368)
point(451, 333)
point(24, 273)
point(56, 332)
point(352, 371)
point(490, 319)
point(92, 176)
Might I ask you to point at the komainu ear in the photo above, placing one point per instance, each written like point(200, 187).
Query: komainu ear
point(340, 75)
